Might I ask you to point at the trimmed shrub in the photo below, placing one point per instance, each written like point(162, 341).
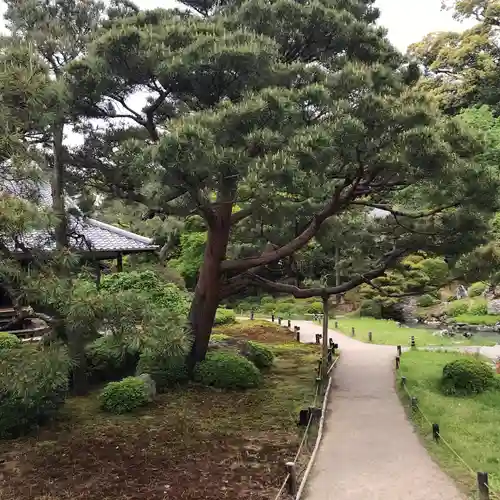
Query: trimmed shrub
point(109, 359)
point(315, 308)
point(9, 341)
point(224, 317)
point(124, 396)
point(458, 307)
point(33, 386)
point(370, 308)
point(227, 371)
point(165, 370)
point(479, 308)
point(426, 301)
point(259, 354)
point(466, 376)
point(477, 289)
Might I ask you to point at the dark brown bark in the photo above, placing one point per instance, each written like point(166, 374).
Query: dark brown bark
point(207, 293)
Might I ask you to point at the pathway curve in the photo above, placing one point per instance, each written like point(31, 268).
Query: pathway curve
point(370, 450)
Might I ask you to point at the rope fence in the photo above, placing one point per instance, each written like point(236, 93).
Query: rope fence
point(308, 418)
point(485, 492)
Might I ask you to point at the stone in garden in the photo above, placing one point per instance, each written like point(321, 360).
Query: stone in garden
point(150, 385)
point(461, 292)
point(494, 307)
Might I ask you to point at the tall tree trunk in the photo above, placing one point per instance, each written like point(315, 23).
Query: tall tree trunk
point(337, 273)
point(207, 291)
point(58, 205)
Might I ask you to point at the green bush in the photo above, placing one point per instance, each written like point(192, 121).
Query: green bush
point(471, 319)
point(124, 396)
point(426, 301)
point(109, 359)
point(466, 376)
point(165, 370)
point(477, 289)
point(33, 386)
point(9, 341)
point(227, 371)
point(259, 354)
point(458, 307)
point(224, 316)
point(479, 308)
point(267, 299)
point(370, 308)
point(315, 308)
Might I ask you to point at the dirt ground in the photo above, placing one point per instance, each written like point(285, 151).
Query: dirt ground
point(194, 443)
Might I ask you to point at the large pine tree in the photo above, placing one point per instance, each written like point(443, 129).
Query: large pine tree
point(280, 114)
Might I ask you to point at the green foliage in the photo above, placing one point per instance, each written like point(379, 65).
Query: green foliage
point(436, 269)
point(124, 396)
point(166, 371)
point(147, 284)
point(191, 256)
point(33, 386)
point(371, 308)
point(259, 354)
point(224, 317)
point(466, 376)
point(227, 371)
point(315, 308)
point(426, 300)
point(9, 341)
point(478, 307)
point(471, 319)
point(477, 289)
point(109, 358)
point(457, 307)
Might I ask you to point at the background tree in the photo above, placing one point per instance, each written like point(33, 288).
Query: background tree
point(266, 110)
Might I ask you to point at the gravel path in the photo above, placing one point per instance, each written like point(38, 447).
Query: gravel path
point(369, 449)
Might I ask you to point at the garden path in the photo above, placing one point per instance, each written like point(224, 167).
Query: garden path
point(370, 449)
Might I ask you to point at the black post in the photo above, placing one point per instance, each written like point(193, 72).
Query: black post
point(370, 336)
point(318, 338)
point(251, 314)
point(482, 484)
point(398, 360)
point(353, 332)
point(336, 324)
point(292, 478)
point(435, 432)
point(414, 403)
point(403, 381)
point(119, 263)
point(399, 350)
point(272, 317)
point(331, 343)
point(412, 342)
point(289, 323)
point(279, 320)
point(304, 418)
point(320, 362)
point(298, 334)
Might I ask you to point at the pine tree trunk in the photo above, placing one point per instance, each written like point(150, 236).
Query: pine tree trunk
point(58, 205)
point(207, 291)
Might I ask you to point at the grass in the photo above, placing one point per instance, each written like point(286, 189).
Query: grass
point(471, 319)
point(390, 333)
point(469, 425)
point(194, 442)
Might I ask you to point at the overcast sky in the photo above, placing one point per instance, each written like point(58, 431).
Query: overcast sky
point(407, 20)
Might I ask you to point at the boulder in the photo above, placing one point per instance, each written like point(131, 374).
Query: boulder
point(461, 292)
point(494, 306)
point(150, 385)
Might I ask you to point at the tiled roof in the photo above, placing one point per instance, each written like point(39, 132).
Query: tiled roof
point(86, 234)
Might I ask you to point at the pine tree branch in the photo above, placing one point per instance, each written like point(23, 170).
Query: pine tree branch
point(399, 213)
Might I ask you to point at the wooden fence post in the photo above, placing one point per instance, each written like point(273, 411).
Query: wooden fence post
point(292, 480)
point(435, 432)
point(482, 484)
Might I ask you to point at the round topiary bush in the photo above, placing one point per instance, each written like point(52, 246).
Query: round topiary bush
point(466, 376)
point(371, 308)
point(224, 317)
point(315, 308)
point(259, 354)
point(9, 341)
point(110, 359)
point(477, 289)
point(227, 371)
point(457, 308)
point(166, 371)
point(426, 300)
point(124, 396)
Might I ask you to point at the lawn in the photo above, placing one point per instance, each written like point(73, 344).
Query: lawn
point(194, 443)
point(469, 425)
point(390, 333)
